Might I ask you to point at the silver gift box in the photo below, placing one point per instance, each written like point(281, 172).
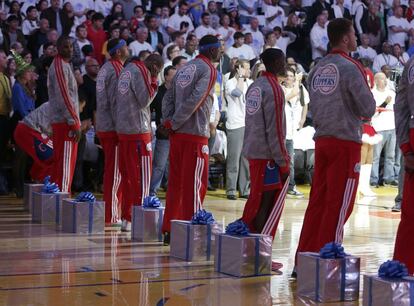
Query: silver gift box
point(243, 255)
point(29, 189)
point(147, 223)
point(83, 217)
point(193, 242)
point(328, 280)
point(380, 291)
point(47, 207)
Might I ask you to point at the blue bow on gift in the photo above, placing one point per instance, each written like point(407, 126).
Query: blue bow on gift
point(85, 197)
point(202, 217)
point(49, 187)
point(392, 269)
point(237, 228)
point(332, 250)
point(151, 202)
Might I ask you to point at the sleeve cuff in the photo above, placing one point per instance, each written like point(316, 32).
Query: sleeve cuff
point(74, 125)
point(284, 169)
point(406, 148)
point(168, 124)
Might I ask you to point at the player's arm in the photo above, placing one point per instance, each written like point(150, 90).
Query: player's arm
point(362, 103)
point(144, 88)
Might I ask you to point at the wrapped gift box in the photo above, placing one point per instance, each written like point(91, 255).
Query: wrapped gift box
point(29, 190)
point(328, 280)
point(241, 256)
point(193, 242)
point(147, 223)
point(83, 217)
point(47, 207)
point(379, 291)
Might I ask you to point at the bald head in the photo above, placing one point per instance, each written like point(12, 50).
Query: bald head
point(380, 80)
point(92, 67)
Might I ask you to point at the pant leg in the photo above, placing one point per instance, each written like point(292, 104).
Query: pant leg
point(404, 243)
point(161, 151)
point(244, 177)
point(65, 151)
point(401, 179)
point(376, 159)
point(333, 193)
point(112, 192)
point(291, 152)
point(78, 183)
point(4, 136)
point(187, 183)
point(389, 157)
point(234, 147)
point(397, 162)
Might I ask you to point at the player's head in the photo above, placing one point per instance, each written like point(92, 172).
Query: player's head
point(154, 63)
point(118, 49)
point(65, 47)
point(209, 46)
point(274, 61)
point(341, 34)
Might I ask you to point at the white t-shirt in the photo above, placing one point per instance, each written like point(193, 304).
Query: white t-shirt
point(319, 38)
point(384, 121)
point(242, 52)
point(249, 3)
point(384, 59)
point(103, 7)
point(366, 53)
point(202, 30)
point(136, 47)
point(271, 10)
point(236, 103)
point(258, 40)
point(175, 21)
point(397, 38)
point(282, 43)
point(224, 32)
point(24, 5)
point(28, 26)
point(81, 5)
point(293, 112)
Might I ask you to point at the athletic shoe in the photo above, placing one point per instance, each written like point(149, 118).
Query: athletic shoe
point(166, 238)
point(396, 207)
point(117, 224)
point(393, 183)
point(211, 188)
point(294, 274)
point(276, 266)
point(126, 226)
point(246, 196)
point(231, 197)
point(296, 194)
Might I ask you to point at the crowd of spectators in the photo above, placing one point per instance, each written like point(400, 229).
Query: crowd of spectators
point(31, 28)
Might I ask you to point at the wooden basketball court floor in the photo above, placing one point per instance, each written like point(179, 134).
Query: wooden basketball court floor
point(39, 266)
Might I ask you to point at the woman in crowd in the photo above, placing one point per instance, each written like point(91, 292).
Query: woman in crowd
point(402, 57)
point(117, 9)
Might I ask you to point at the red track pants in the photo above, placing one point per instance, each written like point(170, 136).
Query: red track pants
point(39, 147)
point(112, 176)
point(135, 165)
point(332, 195)
point(262, 180)
point(65, 150)
point(187, 177)
point(404, 244)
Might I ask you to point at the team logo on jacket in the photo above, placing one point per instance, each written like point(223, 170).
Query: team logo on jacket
point(253, 100)
point(149, 147)
point(357, 168)
point(325, 79)
point(204, 149)
point(123, 83)
point(100, 80)
point(411, 74)
point(186, 75)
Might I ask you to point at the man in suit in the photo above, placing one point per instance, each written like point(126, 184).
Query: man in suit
point(57, 19)
point(155, 38)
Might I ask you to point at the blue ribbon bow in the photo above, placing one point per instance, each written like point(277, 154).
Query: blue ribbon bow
point(49, 187)
point(332, 250)
point(85, 197)
point(202, 217)
point(237, 228)
point(151, 202)
point(392, 269)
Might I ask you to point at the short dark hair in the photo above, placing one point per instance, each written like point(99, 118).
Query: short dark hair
point(337, 29)
point(112, 43)
point(182, 3)
point(62, 39)
point(277, 29)
point(168, 69)
point(178, 59)
point(238, 35)
point(81, 26)
point(138, 6)
point(269, 55)
point(30, 8)
point(47, 45)
point(154, 59)
point(12, 18)
point(97, 16)
point(176, 34)
point(207, 40)
point(204, 15)
point(170, 50)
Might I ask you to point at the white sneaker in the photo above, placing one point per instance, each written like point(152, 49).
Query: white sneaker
point(126, 226)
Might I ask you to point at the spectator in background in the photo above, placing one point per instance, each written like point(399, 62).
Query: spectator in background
point(125, 34)
point(234, 18)
point(359, 9)
point(81, 40)
point(205, 27)
point(275, 15)
point(339, 11)
point(384, 123)
point(226, 31)
point(42, 5)
point(97, 36)
point(318, 7)
point(257, 35)
point(140, 43)
point(319, 37)
point(138, 20)
point(247, 10)
point(128, 7)
point(214, 14)
point(155, 38)
point(180, 21)
point(364, 50)
point(298, 49)
point(409, 13)
point(15, 11)
point(12, 34)
point(172, 52)
point(384, 58)
point(178, 39)
point(52, 37)
point(195, 9)
point(5, 107)
point(237, 167)
point(117, 11)
point(374, 26)
point(240, 50)
point(38, 37)
point(68, 18)
point(190, 51)
point(283, 39)
point(114, 33)
point(55, 16)
point(398, 27)
point(30, 24)
point(401, 56)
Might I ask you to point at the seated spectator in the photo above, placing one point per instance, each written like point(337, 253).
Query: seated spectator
point(384, 58)
point(205, 27)
point(30, 24)
point(319, 37)
point(140, 42)
point(240, 50)
point(401, 56)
